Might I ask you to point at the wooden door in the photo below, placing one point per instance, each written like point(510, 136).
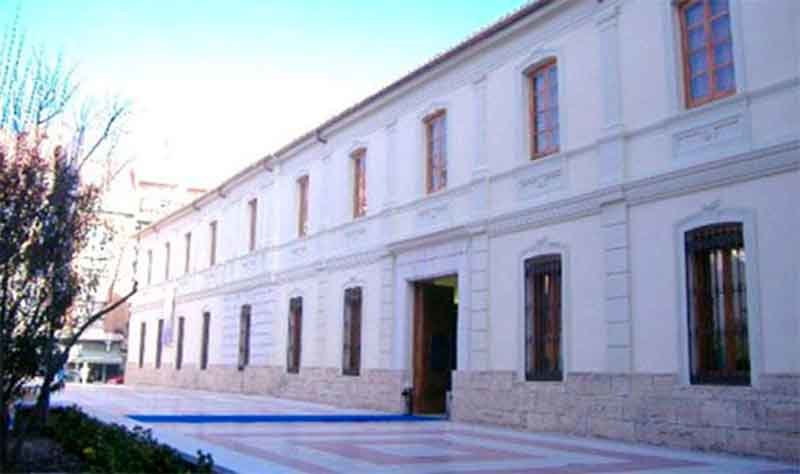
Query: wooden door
point(435, 314)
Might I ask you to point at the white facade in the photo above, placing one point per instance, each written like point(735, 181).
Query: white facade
point(636, 169)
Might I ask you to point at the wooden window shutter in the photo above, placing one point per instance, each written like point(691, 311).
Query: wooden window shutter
point(351, 337)
point(302, 211)
point(294, 336)
point(205, 340)
point(159, 343)
point(544, 109)
point(253, 208)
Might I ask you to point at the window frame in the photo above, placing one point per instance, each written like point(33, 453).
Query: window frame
point(708, 44)
point(205, 337)
point(358, 160)
point(252, 207)
point(142, 342)
point(302, 184)
point(179, 343)
point(729, 238)
point(245, 321)
point(213, 229)
point(294, 341)
point(188, 260)
point(167, 258)
point(159, 343)
point(533, 132)
point(533, 266)
point(428, 122)
point(352, 330)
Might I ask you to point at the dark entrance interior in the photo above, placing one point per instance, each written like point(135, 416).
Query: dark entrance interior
point(435, 323)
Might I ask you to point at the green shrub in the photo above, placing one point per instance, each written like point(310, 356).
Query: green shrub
point(114, 448)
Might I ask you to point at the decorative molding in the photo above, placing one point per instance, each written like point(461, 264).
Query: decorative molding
point(437, 215)
point(542, 177)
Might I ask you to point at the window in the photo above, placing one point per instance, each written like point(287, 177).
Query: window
point(166, 261)
point(188, 260)
point(543, 95)
point(213, 243)
point(204, 341)
point(159, 343)
point(179, 348)
point(252, 208)
point(293, 348)
point(717, 305)
point(302, 206)
point(436, 151)
point(244, 337)
point(707, 50)
point(142, 339)
point(543, 318)
point(351, 340)
point(149, 267)
point(359, 158)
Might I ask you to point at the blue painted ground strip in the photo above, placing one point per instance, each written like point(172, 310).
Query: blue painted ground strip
point(355, 418)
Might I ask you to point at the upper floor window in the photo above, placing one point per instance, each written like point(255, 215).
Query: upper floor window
point(166, 260)
point(212, 255)
point(187, 261)
point(252, 209)
point(359, 158)
point(707, 50)
point(149, 267)
point(717, 305)
point(351, 336)
point(302, 206)
point(543, 96)
point(543, 318)
point(436, 151)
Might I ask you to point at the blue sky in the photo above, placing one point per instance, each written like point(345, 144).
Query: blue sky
point(215, 85)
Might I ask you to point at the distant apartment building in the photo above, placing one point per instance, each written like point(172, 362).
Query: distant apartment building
point(582, 219)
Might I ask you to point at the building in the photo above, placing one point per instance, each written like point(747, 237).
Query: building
point(100, 351)
point(581, 219)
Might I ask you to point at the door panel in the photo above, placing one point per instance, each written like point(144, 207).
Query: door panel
point(434, 346)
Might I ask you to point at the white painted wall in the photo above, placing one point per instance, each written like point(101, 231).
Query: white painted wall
point(673, 162)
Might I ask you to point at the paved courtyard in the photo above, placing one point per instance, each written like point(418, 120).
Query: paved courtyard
point(377, 447)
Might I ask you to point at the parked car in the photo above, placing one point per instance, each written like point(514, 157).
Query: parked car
point(116, 380)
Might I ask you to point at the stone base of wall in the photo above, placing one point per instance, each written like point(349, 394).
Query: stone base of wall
point(654, 409)
point(374, 389)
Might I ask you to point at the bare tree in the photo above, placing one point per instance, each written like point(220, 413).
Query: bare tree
point(49, 219)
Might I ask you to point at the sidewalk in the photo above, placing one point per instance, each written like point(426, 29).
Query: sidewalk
point(376, 447)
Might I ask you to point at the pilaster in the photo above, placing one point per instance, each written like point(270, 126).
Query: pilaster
point(385, 335)
point(619, 347)
point(391, 147)
point(478, 270)
point(321, 318)
point(611, 146)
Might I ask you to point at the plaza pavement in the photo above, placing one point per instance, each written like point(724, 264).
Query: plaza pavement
point(381, 447)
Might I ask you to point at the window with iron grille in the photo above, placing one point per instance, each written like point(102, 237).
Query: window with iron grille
point(544, 121)
point(142, 340)
point(717, 305)
point(295, 335)
point(707, 50)
point(204, 337)
point(159, 343)
point(436, 150)
point(179, 344)
point(351, 336)
point(543, 359)
point(244, 337)
point(359, 159)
